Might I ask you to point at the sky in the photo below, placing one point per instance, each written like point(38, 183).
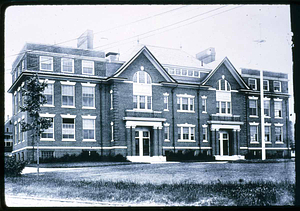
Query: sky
point(233, 30)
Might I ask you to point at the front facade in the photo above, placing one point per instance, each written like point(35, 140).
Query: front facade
point(157, 101)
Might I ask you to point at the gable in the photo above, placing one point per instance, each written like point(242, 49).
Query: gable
point(144, 59)
point(226, 69)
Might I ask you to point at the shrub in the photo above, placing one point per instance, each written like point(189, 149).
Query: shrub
point(13, 168)
point(188, 155)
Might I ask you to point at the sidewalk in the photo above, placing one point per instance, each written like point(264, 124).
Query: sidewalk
point(28, 170)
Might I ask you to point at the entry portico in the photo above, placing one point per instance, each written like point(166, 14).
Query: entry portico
point(144, 139)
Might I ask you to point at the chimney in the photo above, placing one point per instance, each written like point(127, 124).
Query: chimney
point(112, 56)
point(206, 56)
point(85, 41)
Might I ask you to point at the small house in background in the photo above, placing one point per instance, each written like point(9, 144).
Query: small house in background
point(8, 137)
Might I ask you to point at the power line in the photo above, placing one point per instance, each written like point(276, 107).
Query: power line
point(162, 13)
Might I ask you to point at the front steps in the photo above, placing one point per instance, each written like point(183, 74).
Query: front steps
point(146, 159)
point(231, 157)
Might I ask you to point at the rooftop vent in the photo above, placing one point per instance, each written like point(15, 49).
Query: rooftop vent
point(112, 56)
point(85, 41)
point(206, 56)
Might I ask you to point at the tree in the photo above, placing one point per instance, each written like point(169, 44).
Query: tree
point(32, 91)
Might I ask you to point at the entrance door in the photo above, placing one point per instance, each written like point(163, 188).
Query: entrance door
point(224, 143)
point(142, 142)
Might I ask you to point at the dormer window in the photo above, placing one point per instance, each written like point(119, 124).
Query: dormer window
point(46, 63)
point(252, 83)
point(277, 86)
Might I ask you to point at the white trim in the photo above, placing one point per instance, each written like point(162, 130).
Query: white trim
point(265, 77)
point(277, 99)
point(144, 119)
point(253, 116)
point(165, 94)
point(68, 116)
point(89, 140)
point(221, 126)
point(268, 123)
point(88, 84)
point(88, 117)
point(185, 111)
point(47, 115)
point(253, 98)
point(187, 147)
point(180, 140)
point(267, 148)
point(84, 60)
point(204, 97)
point(49, 58)
point(205, 125)
point(68, 83)
point(278, 124)
point(87, 107)
point(166, 124)
point(279, 86)
point(185, 95)
point(185, 125)
point(61, 64)
point(253, 123)
point(63, 106)
point(266, 98)
point(143, 123)
point(47, 139)
point(72, 140)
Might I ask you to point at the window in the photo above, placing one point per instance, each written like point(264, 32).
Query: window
point(47, 154)
point(277, 86)
point(112, 131)
point(166, 106)
point(172, 71)
point(196, 73)
point(142, 102)
point(203, 105)
point(19, 100)
point(185, 103)
point(252, 83)
point(166, 132)
point(16, 133)
point(68, 129)
point(88, 96)
point(46, 63)
point(48, 92)
point(67, 65)
point(267, 108)
point(278, 109)
point(48, 133)
point(267, 134)
point(111, 99)
point(88, 129)
point(204, 133)
point(184, 72)
point(186, 133)
point(190, 73)
point(141, 77)
point(253, 133)
point(142, 91)
point(87, 67)
point(68, 97)
point(223, 85)
point(253, 107)
point(20, 135)
point(223, 107)
point(16, 103)
point(266, 85)
point(278, 134)
point(178, 71)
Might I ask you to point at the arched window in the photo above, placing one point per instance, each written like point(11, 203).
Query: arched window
point(142, 91)
point(223, 85)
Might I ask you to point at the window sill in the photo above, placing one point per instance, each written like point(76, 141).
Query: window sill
point(220, 114)
point(186, 140)
point(184, 111)
point(68, 106)
point(277, 142)
point(142, 110)
point(111, 108)
point(46, 70)
point(205, 141)
point(256, 142)
point(88, 107)
point(268, 142)
point(204, 112)
point(253, 116)
point(89, 140)
point(68, 140)
point(167, 140)
point(166, 109)
point(47, 139)
point(278, 117)
point(267, 117)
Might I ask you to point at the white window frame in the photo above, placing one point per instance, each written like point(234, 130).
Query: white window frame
point(270, 133)
point(111, 99)
point(226, 85)
point(189, 97)
point(279, 86)
point(89, 118)
point(49, 82)
point(68, 117)
point(49, 139)
point(204, 99)
point(256, 106)
point(257, 132)
point(146, 103)
point(16, 133)
point(63, 83)
point(281, 131)
point(166, 97)
point(204, 128)
point(226, 108)
point(278, 101)
point(62, 66)
point(167, 126)
point(189, 126)
point(112, 131)
point(47, 58)
point(254, 79)
point(268, 85)
point(94, 100)
point(269, 114)
point(82, 67)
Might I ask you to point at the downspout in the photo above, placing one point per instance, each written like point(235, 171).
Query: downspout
point(199, 120)
point(101, 135)
point(173, 119)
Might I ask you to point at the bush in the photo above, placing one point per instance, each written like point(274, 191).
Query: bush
point(13, 168)
point(188, 155)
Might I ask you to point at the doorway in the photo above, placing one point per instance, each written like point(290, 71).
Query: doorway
point(142, 142)
point(224, 143)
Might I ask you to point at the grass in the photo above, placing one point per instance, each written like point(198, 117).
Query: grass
point(239, 193)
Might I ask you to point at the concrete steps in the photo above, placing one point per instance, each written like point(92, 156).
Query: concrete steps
point(227, 157)
point(147, 159)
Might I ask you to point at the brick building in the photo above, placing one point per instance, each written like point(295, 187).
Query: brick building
point(155, 101)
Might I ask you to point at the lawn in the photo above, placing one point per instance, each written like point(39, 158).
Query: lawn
point(192, 184)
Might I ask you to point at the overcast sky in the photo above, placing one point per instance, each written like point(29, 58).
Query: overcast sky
point(233, 30)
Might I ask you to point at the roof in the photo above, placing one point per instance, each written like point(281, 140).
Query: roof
point(167, 56)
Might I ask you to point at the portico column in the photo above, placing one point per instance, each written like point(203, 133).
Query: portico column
point(128, 140)
point(133, 140)
point(234, 142)
point(213, 141)
point(159, 141)
point(217, 141)
point(238, 142)
point(155, 141)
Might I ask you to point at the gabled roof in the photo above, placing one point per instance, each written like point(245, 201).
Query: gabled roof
point(144, 50)
point(232, 70)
